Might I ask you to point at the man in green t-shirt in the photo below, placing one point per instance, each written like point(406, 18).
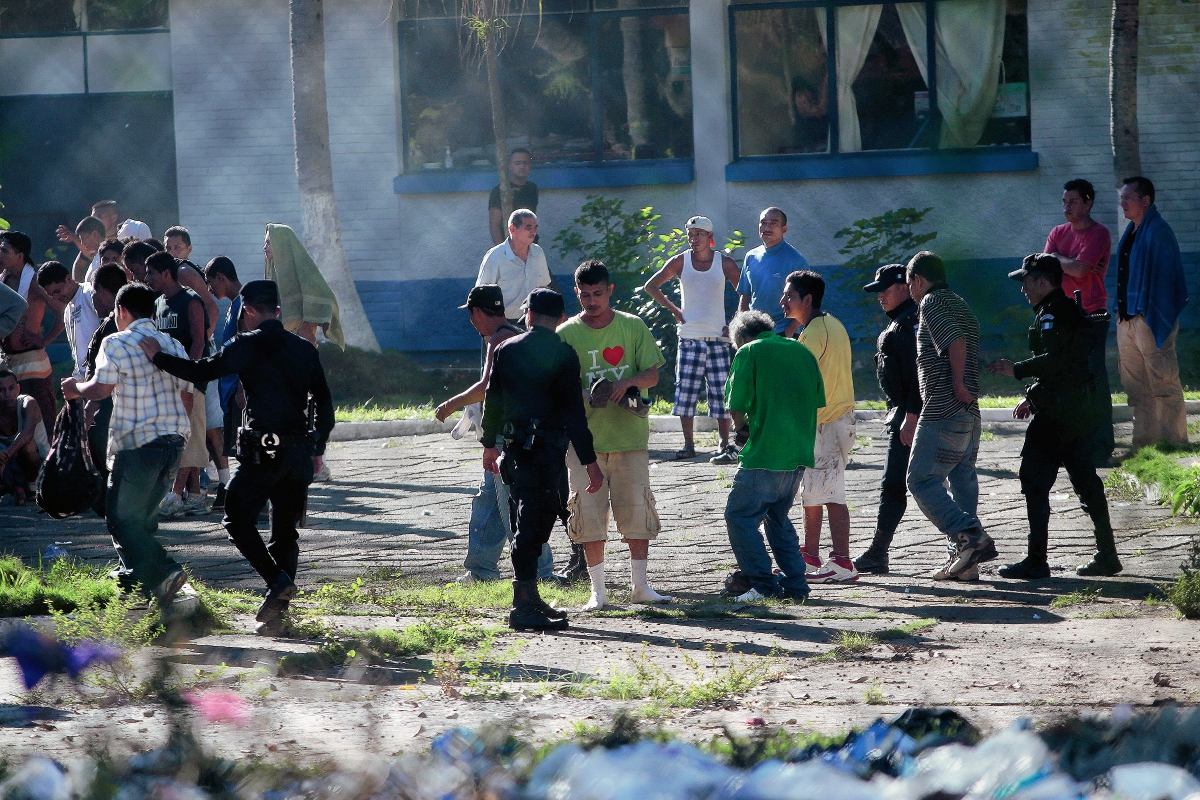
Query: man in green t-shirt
point(774, 388)
point(618, 357)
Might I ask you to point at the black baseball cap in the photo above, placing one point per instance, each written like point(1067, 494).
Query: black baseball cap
point(1042, 264)
point(260, 293)
point(886, 276)
point(546, 302)
point(486, 296)
point(20, 242)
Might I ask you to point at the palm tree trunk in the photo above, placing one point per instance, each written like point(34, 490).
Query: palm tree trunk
point(1123, 66)
point(498, 128)
point(314, 169)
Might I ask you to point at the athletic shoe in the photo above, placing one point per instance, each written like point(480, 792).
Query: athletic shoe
point(728, 455)
point(750, 596)
point(812, 564)
point(165, 592)
point(973, 547)
point(465, 579)
point(838, 569)
point(277, 599)
point(324, 474)
point(194, 506)
point(171, 506)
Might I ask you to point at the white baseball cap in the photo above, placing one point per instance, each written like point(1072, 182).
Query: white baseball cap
point(701, 223)
point(135, 228)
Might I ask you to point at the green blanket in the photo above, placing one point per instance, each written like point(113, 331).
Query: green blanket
point(303, 293)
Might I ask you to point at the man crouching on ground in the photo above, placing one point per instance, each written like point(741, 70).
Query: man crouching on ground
point(775, 388)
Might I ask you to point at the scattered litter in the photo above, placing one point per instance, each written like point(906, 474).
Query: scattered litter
point(1037, 616)
point(1161, 679)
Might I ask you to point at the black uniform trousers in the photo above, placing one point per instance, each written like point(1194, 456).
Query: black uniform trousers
point(893, 490)
point(1049, 445)
point(283, 480)
point(537, 481)
point(1102, 441)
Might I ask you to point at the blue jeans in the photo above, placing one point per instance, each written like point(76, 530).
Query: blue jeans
point(139, 479)
point(489, 530)
point(944, 450)
point(763, 496)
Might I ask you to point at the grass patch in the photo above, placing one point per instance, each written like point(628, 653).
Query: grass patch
point(436, 636)
point(710, 684)
point(848, 644)
point(906, 630)
point(64, 586)
point(377, 596)
point(372, 411)
point(1157, 468)
point(1120, 485)
point(1077, 598)
point(661, 407)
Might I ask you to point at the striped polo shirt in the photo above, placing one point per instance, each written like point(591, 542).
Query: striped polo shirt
point(945, 318)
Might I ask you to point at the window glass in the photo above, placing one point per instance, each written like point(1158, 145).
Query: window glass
point(125, 15)
point(1010, 118)
point(37, 16)
point(891, 96)
point(566, 79)
point(782, 82)
point(608, 5)
point(645, 87)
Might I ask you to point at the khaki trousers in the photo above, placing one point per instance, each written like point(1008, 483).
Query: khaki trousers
point(1150, 375)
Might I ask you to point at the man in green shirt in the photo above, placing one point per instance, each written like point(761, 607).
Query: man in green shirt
point(775, 388)
point(618, 358)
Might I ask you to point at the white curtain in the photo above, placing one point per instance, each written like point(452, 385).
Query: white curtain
point(855, 28)
point(970, 42)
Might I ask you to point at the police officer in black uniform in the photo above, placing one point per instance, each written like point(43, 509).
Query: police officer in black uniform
point(534, 404)
point(1064, 419)
point(288, 417)
point(896, 369)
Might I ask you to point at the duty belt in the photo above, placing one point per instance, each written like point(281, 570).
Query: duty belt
point(268, 443)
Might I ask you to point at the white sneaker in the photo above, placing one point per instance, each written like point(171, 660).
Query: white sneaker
point(812, 563)
point(171, 506)
point(324, 474)
point(837, 569)
point(749, 597)
point(466, 579)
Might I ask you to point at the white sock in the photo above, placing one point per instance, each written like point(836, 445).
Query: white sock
point(642, 593)
point(223, 476)
point(599, 597)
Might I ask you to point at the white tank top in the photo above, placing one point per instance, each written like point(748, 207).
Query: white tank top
point(702, 298)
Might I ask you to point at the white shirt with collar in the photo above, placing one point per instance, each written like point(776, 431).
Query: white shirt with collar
point(516, 278)
point(81, 321)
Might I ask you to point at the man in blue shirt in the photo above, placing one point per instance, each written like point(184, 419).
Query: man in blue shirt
point(765, 271)
point(222, 279)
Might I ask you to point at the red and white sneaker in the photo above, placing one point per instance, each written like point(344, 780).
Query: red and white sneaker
point(812, 564)
point(838, 569)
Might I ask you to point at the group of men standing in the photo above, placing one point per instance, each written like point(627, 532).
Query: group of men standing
point(779, 375)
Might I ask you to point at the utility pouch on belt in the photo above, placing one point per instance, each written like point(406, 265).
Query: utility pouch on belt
point(257, 447)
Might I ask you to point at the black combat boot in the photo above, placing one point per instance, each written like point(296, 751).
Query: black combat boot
point(576, 569)
point(527, 613)
point(1105, 563)
point(875, 560)
point(1027, 570)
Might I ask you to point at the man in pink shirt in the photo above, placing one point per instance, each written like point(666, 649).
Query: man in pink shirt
point(1083, 246)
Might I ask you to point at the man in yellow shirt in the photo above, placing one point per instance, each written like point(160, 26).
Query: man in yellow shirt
point(824, 485)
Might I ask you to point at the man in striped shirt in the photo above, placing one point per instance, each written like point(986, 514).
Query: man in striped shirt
point(150, 422)
point(947, 438)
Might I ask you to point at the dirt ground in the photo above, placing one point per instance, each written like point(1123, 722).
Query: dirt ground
point(995, 650)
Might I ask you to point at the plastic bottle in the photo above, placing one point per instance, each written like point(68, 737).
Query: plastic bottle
point(1149, 781)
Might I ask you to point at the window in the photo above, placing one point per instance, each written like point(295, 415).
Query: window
point(582, 82)
point(74, 16)
point(869, 91)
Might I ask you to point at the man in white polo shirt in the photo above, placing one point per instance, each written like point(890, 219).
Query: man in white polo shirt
point(516, 265)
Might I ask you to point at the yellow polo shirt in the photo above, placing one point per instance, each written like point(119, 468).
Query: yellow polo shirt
point(826, 337)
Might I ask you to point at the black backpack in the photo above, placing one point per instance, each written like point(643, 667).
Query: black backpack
point(68, 482)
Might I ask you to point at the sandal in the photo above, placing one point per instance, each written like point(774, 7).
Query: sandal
point(685, 453)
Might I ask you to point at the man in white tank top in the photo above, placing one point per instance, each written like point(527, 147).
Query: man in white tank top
point(704, 350)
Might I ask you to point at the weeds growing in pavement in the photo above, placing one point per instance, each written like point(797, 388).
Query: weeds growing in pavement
point(437, 636)
point(1119, 485)
point(1184, 594)
point(63, 585)
point(710, 685)
point(906, 630)
point(1076, 598)
point(848, 644)
point(874, 695)
point(379, 597)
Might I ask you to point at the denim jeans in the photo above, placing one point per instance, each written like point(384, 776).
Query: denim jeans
point(139, 479)
point(944, 450)
point(489, 530)
point(763, 496)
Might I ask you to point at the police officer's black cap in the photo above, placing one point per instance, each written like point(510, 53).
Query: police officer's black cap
point(260, 293)
point(1043, 264)
point(546, 302)
point(886, 276)
point(486, 296)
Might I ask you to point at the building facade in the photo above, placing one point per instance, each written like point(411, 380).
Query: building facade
point(711, 107)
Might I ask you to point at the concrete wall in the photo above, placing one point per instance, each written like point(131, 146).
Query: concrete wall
point(414, 256)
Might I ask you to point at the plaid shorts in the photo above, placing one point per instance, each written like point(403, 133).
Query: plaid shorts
point(700, 360)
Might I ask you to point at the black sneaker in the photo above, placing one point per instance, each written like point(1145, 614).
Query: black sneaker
point(1025, 571)
point(276, 601)
point(219, 499)
point(872, 562)
point(728, 455)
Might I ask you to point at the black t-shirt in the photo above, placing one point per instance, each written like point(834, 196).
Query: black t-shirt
point(523, 197)
point(1123, 273)
point(171, 317)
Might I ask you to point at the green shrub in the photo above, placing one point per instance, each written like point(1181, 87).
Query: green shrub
point(1184, 594)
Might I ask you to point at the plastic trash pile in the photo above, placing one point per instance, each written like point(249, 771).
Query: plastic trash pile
point(921, 755)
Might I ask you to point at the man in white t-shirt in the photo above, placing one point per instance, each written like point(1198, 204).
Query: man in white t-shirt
point(516, 265)
point(79, 315)
point(704, 351)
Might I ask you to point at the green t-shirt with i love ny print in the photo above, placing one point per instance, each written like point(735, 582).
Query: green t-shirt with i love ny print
point(618, 351)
